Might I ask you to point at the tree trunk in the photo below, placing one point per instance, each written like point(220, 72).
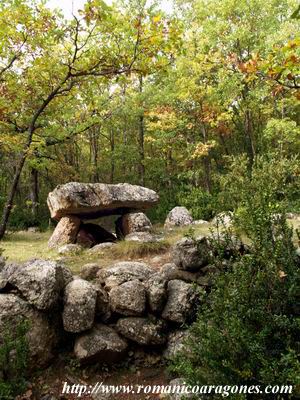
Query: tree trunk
point(34, 191)
point(141, 135)
point(10, 198)
point(112, 156)
point(206, 162)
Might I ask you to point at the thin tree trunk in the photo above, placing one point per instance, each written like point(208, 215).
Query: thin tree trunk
point(34, 191)
point(206, 162)
point(141, 166)
point(10, 198)
point(112, 157)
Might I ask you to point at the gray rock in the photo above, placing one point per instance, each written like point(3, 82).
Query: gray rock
point(41, 336)
point(142, 330)
point(170, 272)
point(175, 344)
point(99, 248)
point(89, 271)
point(102, 343)
point(6, 272)
point(70, 249)
point(41, 282)
point(143, 237)
point(123, 272)
point(129, 298)
point(156, 288)
point(65, 232)
point(92, 200)
point(133, 222)
point(102, 304)
point(178, 216)
point(191, 254)
point(79, 306)
point(181, 303)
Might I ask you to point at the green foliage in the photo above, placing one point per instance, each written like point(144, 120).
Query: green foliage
point(13, 361)
point(200, 203)
point(248, 331)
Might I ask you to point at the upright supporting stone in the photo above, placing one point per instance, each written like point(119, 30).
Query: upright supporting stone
point(131, 223)
point(65, 231)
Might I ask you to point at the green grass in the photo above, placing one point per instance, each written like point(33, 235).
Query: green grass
point(23, 246)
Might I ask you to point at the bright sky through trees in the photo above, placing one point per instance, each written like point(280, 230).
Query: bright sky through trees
point(67, 6)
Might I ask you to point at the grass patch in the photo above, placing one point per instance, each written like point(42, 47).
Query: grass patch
point(126, 249)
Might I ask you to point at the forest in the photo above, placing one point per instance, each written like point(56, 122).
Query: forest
point(130, 93)
point(185, 112)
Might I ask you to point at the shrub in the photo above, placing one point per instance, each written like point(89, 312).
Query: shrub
point(13, 361)
point(248, 331)
point(200, 203)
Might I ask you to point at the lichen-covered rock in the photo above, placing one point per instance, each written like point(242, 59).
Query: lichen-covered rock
point(170, 271)
point(124, 271)
point(101, 247)
point(132, 222)
point(65, 232)
point(89, 271)
point(41, 282)
point(191, 254)
point(175, 343)
point(41, 336)
point(143, 237)
point(143, 330)
point(103, 311)
point(92, 200)
point(156, 288)
point(101, 344)
point(79, 306)
point(129, 298)
point(69, 249)
point(6, 272)
point(178, 216)
point(181, 303)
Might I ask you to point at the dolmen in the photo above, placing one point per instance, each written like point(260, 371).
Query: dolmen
point(74, 204)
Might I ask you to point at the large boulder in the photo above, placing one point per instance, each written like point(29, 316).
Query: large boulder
point(124, 271)
point(91, 234)
point(65, 232)
point(178, 216)
point(129, 298)
point(79, 306)
point(41, 282)
point(41, 336)
point(181, 303)
point(92, 200)
point(101, 344)
point(132, 222)
point(142, 330)
point(191, 254)
point(156, 288)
